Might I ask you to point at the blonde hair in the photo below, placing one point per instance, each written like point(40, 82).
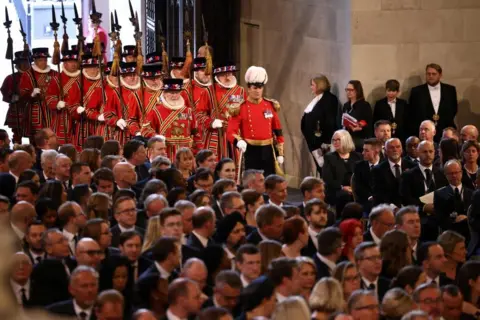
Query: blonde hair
point(302, 260)
point(346, 141)
point(322, 83)
point(292, 308)
point(96, 202)
point(185, 152)
point(327, 296)
point(153, 233)
point(396, 303)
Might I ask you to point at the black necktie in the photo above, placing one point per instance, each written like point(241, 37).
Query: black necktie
point(24, 296)
point(75, 240)
point(82, 315)
point(429, 180)
point(458, 201)
point(135, 270)
point(38, 259)
point(65, 186)
point(397, 171)
point(371, 167)
point(371, 286)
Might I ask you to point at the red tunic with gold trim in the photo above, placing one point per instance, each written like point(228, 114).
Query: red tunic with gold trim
point(37, 113)
point(258, 124)
point(215, 139)
point(116, 108)
point(16, 111)
point(64, 88)
point(177, 124)
point(95, 106)
point(137, 112)
point(203, 99)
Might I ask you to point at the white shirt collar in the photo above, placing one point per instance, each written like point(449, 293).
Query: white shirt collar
point(68, 234)
point(122, 229)
point(330, 264)
point(183, 239)
point(78, 310)
point(392, 164)
point(245, 282)
point(313, 234)
point(270, 202)
point(280, 297)
point(368, 283)
point(392, 102)
point(202, 239)
point(171, 316)
point(459, 187)
point(16, 178)
point(17, 231)
point(423, 168)
point(435, 87)
point(262, 235)
point(36, 255)
point(376, 239)
point(163, 273)
point(312, 103)
point(437, 280)
point(17, 290)
point(374, 164)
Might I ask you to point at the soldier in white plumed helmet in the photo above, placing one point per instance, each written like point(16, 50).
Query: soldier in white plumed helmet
point(254, 127)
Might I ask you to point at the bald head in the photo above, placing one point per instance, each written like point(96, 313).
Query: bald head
point(22, 214)
point(88, 253)
point(469, 132)
point(21, 268)
point(453, 172)
point(426, 153)
point(124, 174)
point(143, 314)
point(427, 130)
point(196, 270)
point(19, 161)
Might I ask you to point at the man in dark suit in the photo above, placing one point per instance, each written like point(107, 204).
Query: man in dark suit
point(276, 189)
point(411, 153)
point(226, 199)
point(20, 279)
point(316, 213)
point(226, 292)
point(203, 221)
point(125, 213)
point(407, 219)
point(320, 117)
point(314, 188)
point(329, 252)
point(126, 178)
point(362, 173)
point(180, 306)
point(136, 154)
point(152, 206)
point(423, 179)
point(84, 290)
point(47, 160)
point(248, 263)
point(130, 246)
point(33, 242)
point(452, 201)
point(431, 258)
point(474, 224)
point(369, 264)
point(80, 174)
point(205, 159)
point(392, 109)
point(282, 273)
point(270, 219)
point(386, 175)
point(434, 101)
point(381, 220)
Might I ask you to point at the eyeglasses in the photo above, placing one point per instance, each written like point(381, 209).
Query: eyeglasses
point(432, 301)
point(370, 307)
point(373, 258)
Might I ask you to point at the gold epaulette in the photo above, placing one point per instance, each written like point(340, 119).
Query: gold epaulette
point(276, 104)
point(234, 107)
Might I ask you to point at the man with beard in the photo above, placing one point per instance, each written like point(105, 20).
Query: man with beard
point(33, 87)
point(173, 118)
point(116, 110)
point(150, 92)
point(255, 128)
point(11, 94)
point(60, 98)
point(316, 213)
point(231, 234)
point(33, 238)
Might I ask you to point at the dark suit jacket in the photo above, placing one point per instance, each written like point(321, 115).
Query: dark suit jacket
point(145, 283)
point(323, 117)
point(65, 308)
point(421, 102)
point(142, 219)
point(26, 249)
point(309, 250)
point(254, 238)
point(384, 184)
point(49, 283)
point(467, 181)
point(322, 269)
point(412, 185)
point(116, 234)
point(363, 183)
point(444, 204)
point(194, 242)
point(382, 111)
point(142, 172)
point(361, 110)
point(367, 236)
point(383, 286)
point(474, 222)
point(217, 210)
point(337, 173)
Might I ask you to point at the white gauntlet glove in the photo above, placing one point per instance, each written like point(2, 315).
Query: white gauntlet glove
point(138, 134)
point(60, 105)
point(280, 159)
point(121, 124)
point(15, 98)
point(217, 123)
point(101, 118)
point(242, 145)
point(35, 92)
point(80, 110)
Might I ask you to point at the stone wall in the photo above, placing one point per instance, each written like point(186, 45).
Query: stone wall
point(397, 38)
point(294, 41)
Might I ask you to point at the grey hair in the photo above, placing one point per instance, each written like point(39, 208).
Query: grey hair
point(81, 269)
point(154, 197)
point(48, 155)
point(181, 205)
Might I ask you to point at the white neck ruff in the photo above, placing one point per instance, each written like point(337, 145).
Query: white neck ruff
point(208, 84)
point(71, 74)
point(152, 88)
point(234, 83)
point(37, 69)
point(110, 83)
point(90, 77)
point(131, 87)
point(169, 106)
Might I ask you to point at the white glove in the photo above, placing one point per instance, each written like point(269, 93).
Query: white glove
point(80, 110)
point(121, 124)
point(101, 118)
point(138, 134)
point(242, 145)
point(35, 92)
point(60, 105)
point(14, 98)
point(280, 159)
point(217, 123)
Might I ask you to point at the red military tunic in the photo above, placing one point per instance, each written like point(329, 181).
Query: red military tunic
point(94, 105)
point(177, 124)
point(137, 112)
point(64, 88)
point(116, 108)
point(215, 139)
point(15, 118)
point(260, 127)
point(203, 99)
point(38, 115)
